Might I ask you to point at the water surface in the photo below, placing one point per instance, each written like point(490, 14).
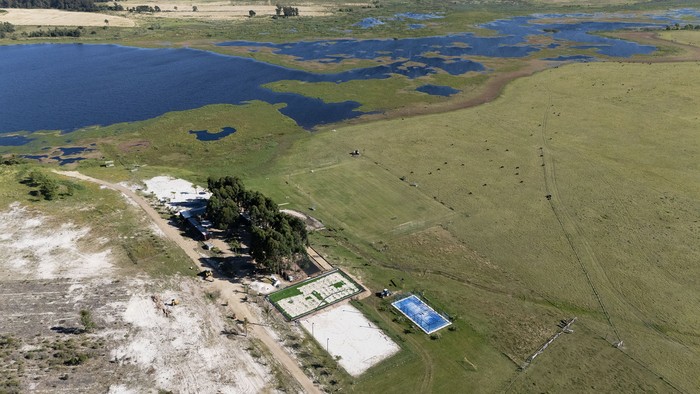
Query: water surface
point(71, 86)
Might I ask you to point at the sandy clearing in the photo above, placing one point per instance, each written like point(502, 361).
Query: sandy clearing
point(178, 193)
point(39, 251)
point(44, 17)
point(312, 224)
point(186, 351)
point(347, 333)
point(221, 10)
point(261, 288)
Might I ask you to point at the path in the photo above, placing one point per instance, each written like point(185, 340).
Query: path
point(231, 292)
point(318, 259)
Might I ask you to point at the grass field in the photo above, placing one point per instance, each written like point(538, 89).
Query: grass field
point(689, 37)
point(619, 152)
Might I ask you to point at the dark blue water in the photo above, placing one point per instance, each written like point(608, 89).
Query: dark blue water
point(205, 135)
point(369, 23)
point(72, 150)
point(437, 90)
point(65, 87)
point(61, 160)
point(578, 58)
point(70, 86)
point(13, 140)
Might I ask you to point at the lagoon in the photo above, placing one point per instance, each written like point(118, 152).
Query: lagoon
point(70, 86)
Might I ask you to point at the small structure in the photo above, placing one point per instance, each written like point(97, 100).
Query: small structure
point(108, 163)
point(355, 153)
point(191, 221)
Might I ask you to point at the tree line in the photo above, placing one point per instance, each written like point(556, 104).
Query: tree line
point(677, 26)
point(286, 11)
point(277, 238)
point(71, 5)
point(56, 32)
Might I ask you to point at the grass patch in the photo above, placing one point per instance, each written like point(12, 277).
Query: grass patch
point(284, 293)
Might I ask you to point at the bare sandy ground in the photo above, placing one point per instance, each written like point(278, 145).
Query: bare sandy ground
point(185, 351)
point(24, 17)
point(178, 193)
point(31, 247)
point(220, 9)
point(52, 269)
point(347, 334)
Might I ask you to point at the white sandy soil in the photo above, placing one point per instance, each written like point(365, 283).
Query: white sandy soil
point(45, 17)
point(175, 191)
point(38, 250)
point(347, 333)
point(186, 351)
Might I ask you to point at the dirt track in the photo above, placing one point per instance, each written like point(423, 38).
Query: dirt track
point(230, 292)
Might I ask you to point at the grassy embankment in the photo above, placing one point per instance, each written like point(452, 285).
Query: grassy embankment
point(477, 235)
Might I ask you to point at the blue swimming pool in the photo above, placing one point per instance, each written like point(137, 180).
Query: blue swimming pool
point(421, 314)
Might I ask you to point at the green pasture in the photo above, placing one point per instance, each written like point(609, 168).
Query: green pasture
point(619, 150)
point(688, 37)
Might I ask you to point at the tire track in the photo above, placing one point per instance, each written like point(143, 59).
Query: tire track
point(427, 381)
point(567, 224)
point(566, 221)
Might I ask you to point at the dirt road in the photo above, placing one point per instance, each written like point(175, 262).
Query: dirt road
point(231, 292)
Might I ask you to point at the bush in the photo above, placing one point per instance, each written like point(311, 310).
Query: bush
point(86, 320)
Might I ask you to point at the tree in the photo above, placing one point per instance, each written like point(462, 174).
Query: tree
point(194, 8)
point(86, 320)
point(276, 238)
point(49, 189)
point(251, 13)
